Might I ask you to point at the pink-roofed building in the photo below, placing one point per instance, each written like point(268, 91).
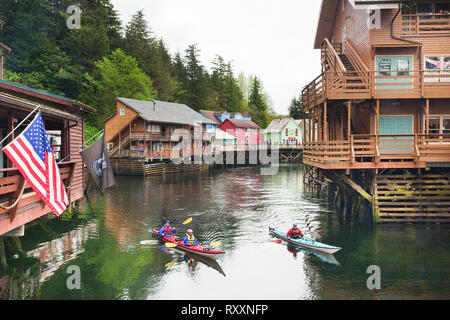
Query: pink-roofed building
point(246, 131)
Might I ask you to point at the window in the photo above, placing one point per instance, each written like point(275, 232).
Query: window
point(446, 124)
point(255, 131)
point(247, 130)
point(287, 131)
point(122, 111)
point(438, 65)
point(296, 132)
point(438, 124)
point(395, 67)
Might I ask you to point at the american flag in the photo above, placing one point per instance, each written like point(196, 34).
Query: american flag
point(32, 154)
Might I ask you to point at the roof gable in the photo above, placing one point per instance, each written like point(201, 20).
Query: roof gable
point(166, 112)
point(241, 123)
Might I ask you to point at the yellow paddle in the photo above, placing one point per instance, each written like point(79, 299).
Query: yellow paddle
point(215, 244)
point(170, 264)
point(187, 220)
point(170, 245)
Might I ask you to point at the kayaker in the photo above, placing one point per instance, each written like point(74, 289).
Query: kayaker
point(190, 239)
point(166, 230)
point(294, 232)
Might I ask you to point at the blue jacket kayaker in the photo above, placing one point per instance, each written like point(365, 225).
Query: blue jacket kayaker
point(190, 239)
point(294, 232)
point(166, 230)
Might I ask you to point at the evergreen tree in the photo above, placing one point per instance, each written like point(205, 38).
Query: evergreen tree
point(295, 108)
point(152, 55)
point(198, 82)
point(257, 103)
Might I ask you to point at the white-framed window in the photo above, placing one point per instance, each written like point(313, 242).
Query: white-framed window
point(255, 131)
point(247, 130)
point(122, 111)
point(437, 65)
point(438, 123)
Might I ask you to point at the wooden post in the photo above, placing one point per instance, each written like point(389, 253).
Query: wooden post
point(3, 265)
point(427, 117)
point(349, 119)
point(10, 128)
point(310, 125)
point(377, 133)
point(319, 125)
point(378, 118)
point(325, 122)
point(120, 144)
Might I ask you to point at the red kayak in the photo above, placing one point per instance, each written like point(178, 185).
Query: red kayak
point(196, 249)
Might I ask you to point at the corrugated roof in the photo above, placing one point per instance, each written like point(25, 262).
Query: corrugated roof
point(36, 90)
point(167, 112)
point(240, 123)
point(12, 86)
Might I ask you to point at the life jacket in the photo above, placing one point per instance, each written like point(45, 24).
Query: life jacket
point(296, 233)
point(191, 239)
point(167, 230)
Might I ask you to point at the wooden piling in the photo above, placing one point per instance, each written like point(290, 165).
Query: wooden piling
point(3, 264)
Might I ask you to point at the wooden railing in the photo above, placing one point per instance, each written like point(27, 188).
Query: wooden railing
point(353, 57)
point(330, 56)
point(12, 183)
point(375, 84)
point(425, 24)
point(380, 148)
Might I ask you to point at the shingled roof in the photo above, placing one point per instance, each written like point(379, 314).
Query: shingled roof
point(276, 125)
point(167, 112)
point(210, 115)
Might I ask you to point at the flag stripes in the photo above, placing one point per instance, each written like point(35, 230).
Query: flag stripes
point(32, 155)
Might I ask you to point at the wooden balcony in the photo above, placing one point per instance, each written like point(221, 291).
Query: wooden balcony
point(375, 85)
point(29, 207)
point(383, 151)
point(425, 24)
point(150, 136)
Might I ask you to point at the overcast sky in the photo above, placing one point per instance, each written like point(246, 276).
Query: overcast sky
point(271, 39)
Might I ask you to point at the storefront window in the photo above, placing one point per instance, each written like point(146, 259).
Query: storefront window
point(439, 66)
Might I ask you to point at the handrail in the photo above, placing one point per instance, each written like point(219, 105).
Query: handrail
point(354, 57)
point(330, 55)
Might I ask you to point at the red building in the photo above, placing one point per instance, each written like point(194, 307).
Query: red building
point(63, 119)
point(246, 131)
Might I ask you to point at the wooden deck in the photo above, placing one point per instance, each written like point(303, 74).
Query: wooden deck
point(425, 24)
point(30, 206)
point(373, 85)
point(383, 151)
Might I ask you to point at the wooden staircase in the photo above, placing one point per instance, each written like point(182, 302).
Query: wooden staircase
point(413, 198)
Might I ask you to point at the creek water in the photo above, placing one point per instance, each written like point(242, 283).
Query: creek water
point(236, 207)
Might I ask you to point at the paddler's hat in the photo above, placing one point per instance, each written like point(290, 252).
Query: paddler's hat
point(294, 225)
point(189, 231)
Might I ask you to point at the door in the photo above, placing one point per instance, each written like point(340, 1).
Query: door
point(396, 125)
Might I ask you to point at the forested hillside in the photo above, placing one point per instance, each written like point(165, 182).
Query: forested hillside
point(105, 58)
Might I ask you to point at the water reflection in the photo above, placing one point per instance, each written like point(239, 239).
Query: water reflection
point(235, 207)
point(191, 260)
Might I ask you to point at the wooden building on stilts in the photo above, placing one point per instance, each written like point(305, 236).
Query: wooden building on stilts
point(380, 108)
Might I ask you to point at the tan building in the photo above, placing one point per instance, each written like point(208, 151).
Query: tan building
point(156, 130)
point(382, 100)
